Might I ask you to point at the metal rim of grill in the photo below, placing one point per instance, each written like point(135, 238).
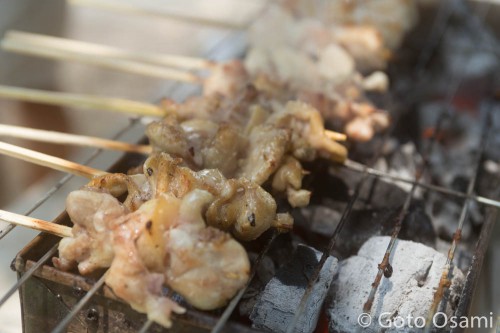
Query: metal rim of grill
point(37, 269)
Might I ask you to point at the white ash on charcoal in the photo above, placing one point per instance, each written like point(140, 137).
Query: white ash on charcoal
point(408, 292)
point(279, 301)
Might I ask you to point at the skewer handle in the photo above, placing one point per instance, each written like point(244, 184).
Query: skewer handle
point(81, 101)
point(36, 224)
point(13, 37)
point(124, 65)
point(71, 139)
point(49, 161)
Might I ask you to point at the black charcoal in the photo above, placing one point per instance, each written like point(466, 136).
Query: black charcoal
point(280, 299)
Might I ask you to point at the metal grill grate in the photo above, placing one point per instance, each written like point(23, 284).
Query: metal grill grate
point(438, 30)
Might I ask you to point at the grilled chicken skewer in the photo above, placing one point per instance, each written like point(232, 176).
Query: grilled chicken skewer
point(158, 233)
point(341, 101)
point(231, 138)
point(240, 205)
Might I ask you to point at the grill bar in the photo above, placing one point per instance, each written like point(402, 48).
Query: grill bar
point(357, 167)
point(439, 295)
point(61, 327)
point(28, 274)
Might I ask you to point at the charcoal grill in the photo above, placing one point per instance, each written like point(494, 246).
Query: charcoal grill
point(55, 300)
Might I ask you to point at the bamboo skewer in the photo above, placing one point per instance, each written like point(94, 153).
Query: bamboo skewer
point(81, 101)
point(72, 139)
point(336, 136)
point(157, 11)
point(49, 161)
point(37, 49)
point(97, 50)
point(32, 223)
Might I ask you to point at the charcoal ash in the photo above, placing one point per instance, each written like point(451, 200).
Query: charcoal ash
point(278, 303)
point(409, 291)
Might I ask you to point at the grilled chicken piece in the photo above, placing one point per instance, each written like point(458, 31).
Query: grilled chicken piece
point(239, 206)
point(254, 147)
point(129, 277)
point(94, 215)
point(165, 241)
point(204, 264)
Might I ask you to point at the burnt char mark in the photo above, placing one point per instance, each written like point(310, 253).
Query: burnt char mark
point(251, 219)
point(388, 271)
